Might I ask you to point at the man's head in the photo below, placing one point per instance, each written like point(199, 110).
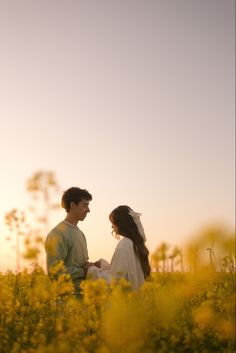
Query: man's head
point(76, 201)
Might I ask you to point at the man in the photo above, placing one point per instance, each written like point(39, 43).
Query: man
point(66, 243)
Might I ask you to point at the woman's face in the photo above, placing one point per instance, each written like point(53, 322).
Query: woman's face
point(115, 228)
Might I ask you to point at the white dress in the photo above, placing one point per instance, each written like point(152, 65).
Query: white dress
point(124, 264)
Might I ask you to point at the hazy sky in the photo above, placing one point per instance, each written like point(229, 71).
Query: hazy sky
point(132, 100)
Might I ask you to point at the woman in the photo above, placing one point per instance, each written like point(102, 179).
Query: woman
point(130, 259)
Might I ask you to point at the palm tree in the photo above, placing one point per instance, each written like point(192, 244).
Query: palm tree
point(155, 259)
point(175, 252)
point(161, 253)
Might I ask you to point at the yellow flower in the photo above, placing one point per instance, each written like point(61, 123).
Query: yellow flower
point(204, 316)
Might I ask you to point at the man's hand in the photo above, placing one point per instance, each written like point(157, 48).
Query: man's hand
point(86, 267)
point(89, 264)
point(98, 263)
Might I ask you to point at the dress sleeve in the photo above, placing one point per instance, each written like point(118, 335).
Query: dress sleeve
point(120, 262)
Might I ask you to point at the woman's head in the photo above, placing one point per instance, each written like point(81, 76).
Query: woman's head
point(122, 222)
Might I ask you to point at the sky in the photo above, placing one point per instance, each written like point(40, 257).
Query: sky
point(132, 100)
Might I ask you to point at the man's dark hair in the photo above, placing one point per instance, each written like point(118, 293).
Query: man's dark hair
point(75, 195)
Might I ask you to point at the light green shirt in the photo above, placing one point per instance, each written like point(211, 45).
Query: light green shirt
point(67, 243)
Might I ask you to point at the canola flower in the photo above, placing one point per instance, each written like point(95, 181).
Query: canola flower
point(172, 312)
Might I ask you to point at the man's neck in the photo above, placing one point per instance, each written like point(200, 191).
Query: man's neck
point(71, 220)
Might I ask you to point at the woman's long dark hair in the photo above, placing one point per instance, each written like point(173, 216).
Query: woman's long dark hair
point(127, 228)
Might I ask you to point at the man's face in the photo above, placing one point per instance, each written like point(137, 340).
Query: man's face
point(81, 209)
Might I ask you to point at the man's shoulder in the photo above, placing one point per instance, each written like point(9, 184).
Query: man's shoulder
point(57, 231)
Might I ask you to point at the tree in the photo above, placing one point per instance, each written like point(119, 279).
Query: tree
point(15, 221)
point(193, 257)
point(175, 252)
point(228, 262)
point(160, 255)
point(155, 259)
point(43, 186)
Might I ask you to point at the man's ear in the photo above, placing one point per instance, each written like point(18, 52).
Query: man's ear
point(72, 205)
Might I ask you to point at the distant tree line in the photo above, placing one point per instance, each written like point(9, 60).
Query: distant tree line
point(213, 248)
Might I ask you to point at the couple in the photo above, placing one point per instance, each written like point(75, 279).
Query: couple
point(66, 243)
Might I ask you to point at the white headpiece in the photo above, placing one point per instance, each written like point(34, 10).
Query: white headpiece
point(136, 218)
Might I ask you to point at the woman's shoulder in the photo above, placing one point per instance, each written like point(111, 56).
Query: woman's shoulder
point(125, 242)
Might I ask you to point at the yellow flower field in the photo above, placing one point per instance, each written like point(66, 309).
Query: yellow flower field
point(172, 312)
